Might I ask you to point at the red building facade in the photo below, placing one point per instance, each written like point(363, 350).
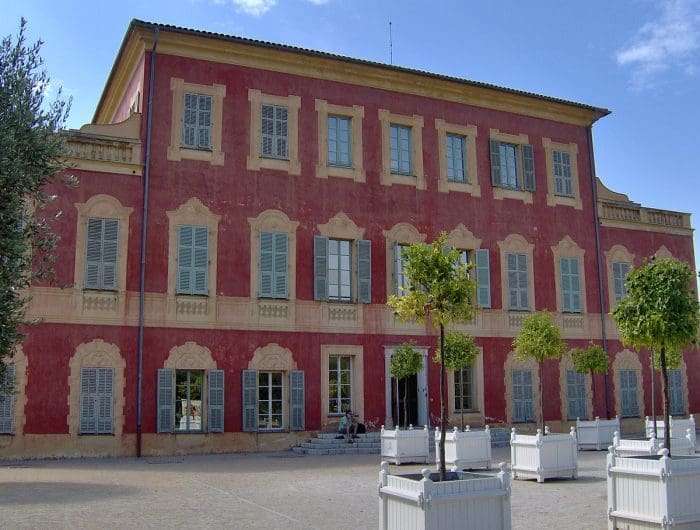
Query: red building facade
point(276, 187)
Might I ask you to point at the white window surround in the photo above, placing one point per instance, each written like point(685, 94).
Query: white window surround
point(566, 363)
point(500, 193)
point(627, 360)
point(469, 132)
point(511, 364)
point(616, 254)
point(517, 244)
point(415, 123)
point(358, 392)
point(567, 248)
point(356, 114)
point(402, 234)
point(552, 198)
point(476, 415)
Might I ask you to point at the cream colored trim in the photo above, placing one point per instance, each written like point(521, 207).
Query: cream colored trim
point(616, 254)
point(21, 364)
point(323, 168)
point(272, 221)
point(512, 363)
point(403, 234)
point(469, 132)
point(567, 248)
point(183, 306)
point(552, 198)
point(567, 363)
point(627, 360)
point(475, 416)
point(340, 226)
point(358, 378)
point(504, 193)
point(415, 122)
point(462, 238)
point(190, 356)
point(255, 160)
point(96, 354)
point(515, 243)
point(272, 357)
point(663, 253)
point(176, 151)
point(103, 303)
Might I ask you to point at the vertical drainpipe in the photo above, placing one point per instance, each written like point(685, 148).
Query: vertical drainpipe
point(599, 258)
point(144, 223)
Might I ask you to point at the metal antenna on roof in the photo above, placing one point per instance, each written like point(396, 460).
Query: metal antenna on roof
point(391, 46)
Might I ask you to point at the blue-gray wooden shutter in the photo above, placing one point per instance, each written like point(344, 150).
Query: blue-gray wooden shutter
point(185, 259)
point(189, 121)
point(364, 271)
point(565, 278)
point(620, 271)
point(110, 243)
point(200, 266)
point(204, 122)
point(101, 254)
point(266, 264)
point(105, 400)
point(528, 396)
point(495, 150)
point(215, 384)
point(398, 269)
point(320, 268)
point(93, 254)
point(628, 384)
point(88, 398)
point(250, 400)
point(7, 400)
point(528, 167)
point(280, 267)
point(518, 398)
point(483, 278)
point(576, 395)
point(675, 393)
point(296, 385)
point(166, 400)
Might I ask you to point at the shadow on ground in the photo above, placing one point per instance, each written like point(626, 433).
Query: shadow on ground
point(16, 493)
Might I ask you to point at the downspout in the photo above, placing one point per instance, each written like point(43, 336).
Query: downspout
point(144, 223)
point(599, 258)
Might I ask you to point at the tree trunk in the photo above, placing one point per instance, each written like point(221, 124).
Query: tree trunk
point(653, 398)
point(398, 417)
point(461, 405)
point(405, 403)
point(539, 370)
point(443, 416)
point(592, 414)
point(664, 391)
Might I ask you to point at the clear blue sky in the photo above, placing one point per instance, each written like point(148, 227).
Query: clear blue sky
point(639, 58)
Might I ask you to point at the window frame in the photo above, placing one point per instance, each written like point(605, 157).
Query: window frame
point(519, 290)
point(101, 283)
point(567, 248)
point(341, 404)
point(524, 400)
point(567, 277)
point(580, 400)
point(522, 191)
point(334, 135)
point(277, 135)
point(516, 244)
point(102, 374)
point(553, 198)
point(416, 176)
point(458, 382)
point(627, 390)
point(355, 114)
point(355, 353)
point(404, 156)
point(199, 113)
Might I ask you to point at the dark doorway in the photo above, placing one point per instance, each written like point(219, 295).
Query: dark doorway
point(412, 401)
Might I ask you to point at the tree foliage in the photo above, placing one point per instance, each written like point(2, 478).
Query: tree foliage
point(405, 362)
point(660, 313)
point(590, 360)
point(32, 151)
point(460, 351)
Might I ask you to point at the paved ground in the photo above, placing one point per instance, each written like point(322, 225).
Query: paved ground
point(274, 490)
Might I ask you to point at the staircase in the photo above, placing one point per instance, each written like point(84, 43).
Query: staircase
point(370, 444)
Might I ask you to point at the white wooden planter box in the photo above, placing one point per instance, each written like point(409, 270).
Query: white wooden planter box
point(679, 429)
point(651, 446)
point(465, 449)
point(596, 434)
point(653, 492)
point(402, 446)
point(474, 501)
point(542, 457)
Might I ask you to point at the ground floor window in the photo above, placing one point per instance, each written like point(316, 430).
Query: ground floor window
point(339, 383)
point(464, 389)
point(273, 400)
point(190, 400)
point(628, 393)
point(575, 395)
point(675, 393)
point(7, 400)
point(96, 401)
point(523, 409)
point(270, 402)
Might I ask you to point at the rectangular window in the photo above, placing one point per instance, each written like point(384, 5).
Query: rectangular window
point(522, 396)
point(192, 260)
point(264, 403)
point(196, 122)
point(675, 393)
point(464, 389)
point(400, 278)
point(517, 282)
point(273, 264)
point(339, 267)
point(570, 285)
point(456, 158)
point(274, 139)
point(339, 383)
point(628, 393)
point(333, 264)
point(620, 272)
point(563, 184)
point(508, 154)
point(96, 400)
point(401, 161)
point(270, 401)
point(512, 165)
point(101, 254)
point(188, 400)
point(182, 394)
point(575, 395)
point(7, 400)
point(339, 134)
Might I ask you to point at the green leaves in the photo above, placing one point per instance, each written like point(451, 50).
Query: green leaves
point(406, 361)
point(460, 351)
point(590, 360)
point(539, 339)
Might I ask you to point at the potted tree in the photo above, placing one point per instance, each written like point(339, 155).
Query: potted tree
point(593, 434)
point(544, 455)
point(464, 448)
point(661, 314)
point(409, 444)
point(440, 290)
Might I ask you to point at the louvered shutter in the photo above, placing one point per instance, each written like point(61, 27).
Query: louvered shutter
point(185, 258)
point(204, 122)
point(522, 281)
point(266, 263)
point(7, 401)
point(495, 149)
point(528, 167)
point(166, 400)
point(364, 271)
point(250, 400)
point(93, 257)
point(88, 399)
point(398, 270)
point(320, 268)
point(105, 401)
point(565, 279)
point(281, 132)
point(527, 396)
point(566, 173)
point(675, 393)
point(200, 266)
point(110, 243)
point(280, 265)
point(189, 121)
point(575, 285)
point(483, 278)
point(518, 396)
point(620, 271)
point(215, 384)
point(296, 385)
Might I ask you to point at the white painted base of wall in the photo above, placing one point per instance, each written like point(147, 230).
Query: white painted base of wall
point(465, 449)
point(543, 456)
point(653, 492)
point(403, 446)
point(596, 434)
point(479, 502)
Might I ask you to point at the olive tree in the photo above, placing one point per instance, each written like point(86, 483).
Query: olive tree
point(591, 360)
point(460, 351)
point(660, 313)
point(405, 362)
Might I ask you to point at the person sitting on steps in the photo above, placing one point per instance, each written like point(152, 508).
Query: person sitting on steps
point(348, 427)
